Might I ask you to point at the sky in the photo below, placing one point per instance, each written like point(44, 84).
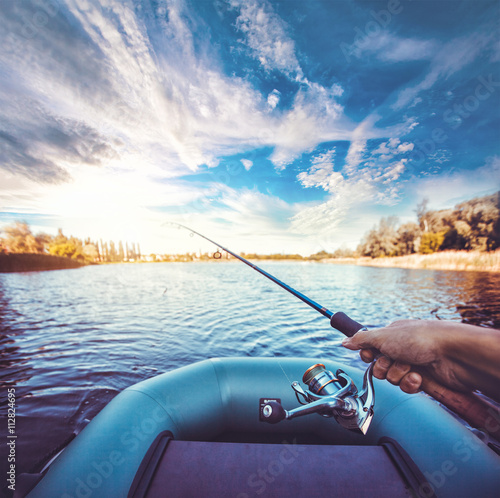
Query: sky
point(267, 125)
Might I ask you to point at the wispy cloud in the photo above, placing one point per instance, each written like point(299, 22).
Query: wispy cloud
point(389, 47)
point(320, 173)
point(367, 176)
point(452, 57)
point(265, 33)
point(458, 185)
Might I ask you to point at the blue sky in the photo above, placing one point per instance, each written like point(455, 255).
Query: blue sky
point(271, 126)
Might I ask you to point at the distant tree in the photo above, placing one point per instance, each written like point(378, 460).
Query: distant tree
point(343, 252)
point(431, 242)
point(495, 238)
point(408, 236)
point(19, 239)
point(473, 224)
point(43, 241)
point(91, 252)
point(453, 239)
point(381, 240)
point(320, 255)
point(481, 215)
point(121, 253)
point(99, 256)
point(422, 214)
point(65, 249)
point(112, 251)
point(60, 238)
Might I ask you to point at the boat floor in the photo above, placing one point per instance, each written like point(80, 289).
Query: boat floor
point(220, 469)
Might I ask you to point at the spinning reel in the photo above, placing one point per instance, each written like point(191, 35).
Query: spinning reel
point(331, 396)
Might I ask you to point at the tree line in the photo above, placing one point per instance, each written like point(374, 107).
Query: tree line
point(470, 225)
point(18, 238)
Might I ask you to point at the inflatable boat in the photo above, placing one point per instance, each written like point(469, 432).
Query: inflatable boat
point(201, 431)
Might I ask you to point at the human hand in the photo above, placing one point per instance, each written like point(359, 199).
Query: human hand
point(410, 349)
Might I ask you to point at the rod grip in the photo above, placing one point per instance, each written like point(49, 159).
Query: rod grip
point(345, 324)
point(475, 410)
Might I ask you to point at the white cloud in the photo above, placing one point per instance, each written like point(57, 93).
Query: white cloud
point(273, 99)
point(405, 147)
point(320, 173)
point(247, 164)
point(265, 33)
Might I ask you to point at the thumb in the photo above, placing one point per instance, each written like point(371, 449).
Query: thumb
point(360, 340)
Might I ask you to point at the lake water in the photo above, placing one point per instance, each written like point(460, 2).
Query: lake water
point(72, 339)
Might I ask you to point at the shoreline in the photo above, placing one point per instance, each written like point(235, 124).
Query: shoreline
point(25, 262)
point(446, 260)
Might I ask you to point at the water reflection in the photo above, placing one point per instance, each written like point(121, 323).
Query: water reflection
point(476, 295)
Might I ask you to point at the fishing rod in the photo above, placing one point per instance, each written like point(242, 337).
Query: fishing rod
point(338, 320)
point(469, 406)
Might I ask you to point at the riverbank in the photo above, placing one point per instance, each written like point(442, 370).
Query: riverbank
point(445, 260)
point(35, 262)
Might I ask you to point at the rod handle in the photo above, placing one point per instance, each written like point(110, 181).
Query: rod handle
point(475, 410)
point(345, 324)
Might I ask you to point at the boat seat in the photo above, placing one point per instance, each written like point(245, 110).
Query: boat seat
point(240, 470)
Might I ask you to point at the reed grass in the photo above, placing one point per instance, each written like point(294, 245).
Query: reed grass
point(445, 260)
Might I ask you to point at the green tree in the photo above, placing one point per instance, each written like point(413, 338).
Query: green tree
point(66, 247)
point(431, 242)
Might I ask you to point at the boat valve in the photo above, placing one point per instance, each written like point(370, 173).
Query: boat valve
point(330, 396)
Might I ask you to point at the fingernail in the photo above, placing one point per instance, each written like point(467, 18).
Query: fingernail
point(414, 378)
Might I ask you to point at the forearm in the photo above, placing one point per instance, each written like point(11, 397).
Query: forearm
point(477, 350)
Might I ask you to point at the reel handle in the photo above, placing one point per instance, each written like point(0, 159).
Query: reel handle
point(273, 412)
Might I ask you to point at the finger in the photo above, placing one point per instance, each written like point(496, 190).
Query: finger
point(381, 367)
point(367, 355)
point(361, 340)
point(411, 383)
point(397, 371)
